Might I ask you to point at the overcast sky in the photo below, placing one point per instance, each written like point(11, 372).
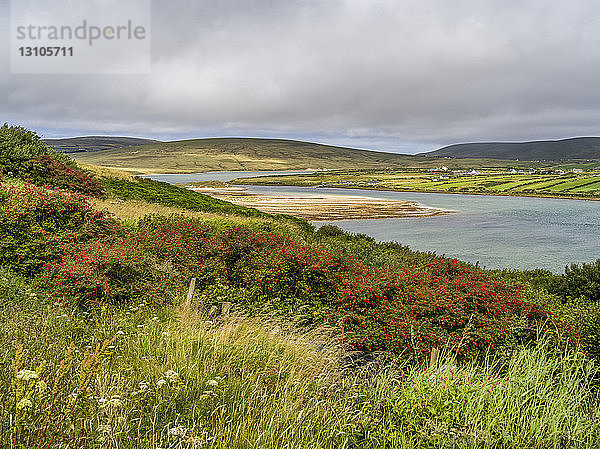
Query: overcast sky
point(394, 75)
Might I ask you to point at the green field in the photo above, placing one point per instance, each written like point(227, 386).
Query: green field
point(494, 183)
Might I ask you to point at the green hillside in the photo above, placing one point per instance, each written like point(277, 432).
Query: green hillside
point(548, 150)
point(190, 156)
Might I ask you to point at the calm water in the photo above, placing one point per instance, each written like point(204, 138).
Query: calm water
point(496, 231)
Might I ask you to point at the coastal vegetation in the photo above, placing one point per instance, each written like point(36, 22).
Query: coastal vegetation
point(295, 337)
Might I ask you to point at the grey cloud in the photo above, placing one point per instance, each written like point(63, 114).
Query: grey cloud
point(404, 75)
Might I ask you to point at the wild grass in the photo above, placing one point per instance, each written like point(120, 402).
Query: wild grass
point(133, 210)
point(142, 377)
point(107, 172)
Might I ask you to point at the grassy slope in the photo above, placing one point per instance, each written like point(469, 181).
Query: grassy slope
point(171, 378)
point(228, 154)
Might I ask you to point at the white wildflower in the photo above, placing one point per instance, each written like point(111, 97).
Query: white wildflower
point(166, 334)
point(178, 431)
point(143, 386)
point(24, 403)
point(113, 402)
point(171, 376)
point(26, 375)
point(212, 383)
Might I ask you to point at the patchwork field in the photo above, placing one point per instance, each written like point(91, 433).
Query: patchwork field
point(493, 183)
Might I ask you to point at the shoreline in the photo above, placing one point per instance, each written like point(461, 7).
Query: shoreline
point(323, 207)
point(531, 195)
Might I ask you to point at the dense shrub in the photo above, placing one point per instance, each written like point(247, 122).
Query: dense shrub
point(23, 155)
point(35, 223)
point(584, 315)
point(17, 146)
point(46, 171)
point(367, 250)
point(580, 281)
point(447, 304)
point(116, 272)
point(405, 310)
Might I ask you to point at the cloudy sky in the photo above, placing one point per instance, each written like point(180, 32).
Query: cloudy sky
point(396, 75)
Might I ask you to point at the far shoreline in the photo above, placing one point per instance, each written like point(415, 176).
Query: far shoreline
point(530, 195)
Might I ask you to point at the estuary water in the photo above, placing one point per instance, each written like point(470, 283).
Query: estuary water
point(495, 231)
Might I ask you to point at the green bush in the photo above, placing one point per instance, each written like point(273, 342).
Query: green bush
point(580, 281)
point(23, 155)
point(584, 316)
point(18, 145)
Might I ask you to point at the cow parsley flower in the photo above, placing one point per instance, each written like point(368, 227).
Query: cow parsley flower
point(26, 375)
point(41, 386)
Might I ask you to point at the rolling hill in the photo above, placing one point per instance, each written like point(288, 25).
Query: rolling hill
point(94, 143)
point(229, 154)
point(548, 150)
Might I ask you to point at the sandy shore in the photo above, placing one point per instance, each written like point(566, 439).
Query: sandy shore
point(316, 207)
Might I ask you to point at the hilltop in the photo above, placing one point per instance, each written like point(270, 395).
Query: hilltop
point(94, 143)
point(540, 150)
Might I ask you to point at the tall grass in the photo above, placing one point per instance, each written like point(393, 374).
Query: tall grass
point(172, 378)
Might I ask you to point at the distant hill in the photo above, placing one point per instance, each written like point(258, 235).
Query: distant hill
point(94, 143)
point(575, 148)
point(228, 154)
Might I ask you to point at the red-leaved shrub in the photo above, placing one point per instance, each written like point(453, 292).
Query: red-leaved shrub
point(407, 310)
point(46, 171)
point(112, 272)
point(35, 223)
